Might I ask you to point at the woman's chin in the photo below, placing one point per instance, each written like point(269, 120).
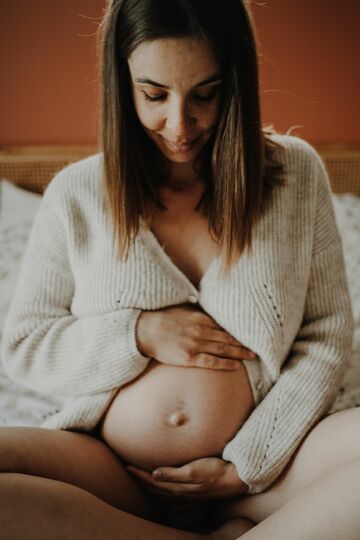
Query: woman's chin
point(179, 159)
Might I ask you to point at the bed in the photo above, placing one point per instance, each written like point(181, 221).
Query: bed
point(24, 173)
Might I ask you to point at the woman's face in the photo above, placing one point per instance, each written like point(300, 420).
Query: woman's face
point(176, 86)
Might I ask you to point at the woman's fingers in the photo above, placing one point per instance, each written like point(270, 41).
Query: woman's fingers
point(225, 350)
point(163, 488)
point(204, 360)
point(221, 343)
point(188, 337)
point(213, 332)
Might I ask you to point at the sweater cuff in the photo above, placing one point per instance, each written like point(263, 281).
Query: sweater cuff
point(127, 359)
point(134, 353)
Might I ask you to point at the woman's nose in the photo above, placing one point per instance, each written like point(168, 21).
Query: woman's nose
point(180, 121)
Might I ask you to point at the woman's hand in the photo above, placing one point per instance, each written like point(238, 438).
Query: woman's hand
point(202, 479)
point(186, 336)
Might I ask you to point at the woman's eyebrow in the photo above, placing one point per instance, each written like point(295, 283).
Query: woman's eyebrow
point(214, 78)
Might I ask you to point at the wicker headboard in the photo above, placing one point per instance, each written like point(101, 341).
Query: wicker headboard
point(32, 167)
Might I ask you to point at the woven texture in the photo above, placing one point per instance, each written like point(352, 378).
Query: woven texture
point(343, 166)
point(32, 167)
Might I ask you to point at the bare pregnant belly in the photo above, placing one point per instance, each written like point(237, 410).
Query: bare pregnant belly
point(171, 415)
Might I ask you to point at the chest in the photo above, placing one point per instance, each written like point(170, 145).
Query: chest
point(187, 241)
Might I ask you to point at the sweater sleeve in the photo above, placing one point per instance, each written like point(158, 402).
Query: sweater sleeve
point(44, 346)
point(312, 374)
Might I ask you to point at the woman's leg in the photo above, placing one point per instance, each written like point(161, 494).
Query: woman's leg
point(75, 458)
point(50, 466)
point(318, 490)
point(41, 509)
point(310, 483)
point(326, 509)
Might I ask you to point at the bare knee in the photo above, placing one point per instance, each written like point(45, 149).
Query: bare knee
point(49, 509)
point(12, 451)
point(47, 452)
point(75, 458)
point(34, 451)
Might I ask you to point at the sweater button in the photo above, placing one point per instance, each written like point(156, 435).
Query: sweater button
point(192, 298)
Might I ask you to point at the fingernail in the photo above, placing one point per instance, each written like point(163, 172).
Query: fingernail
point(158, 475)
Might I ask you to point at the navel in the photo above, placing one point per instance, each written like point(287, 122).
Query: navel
point(177, 418)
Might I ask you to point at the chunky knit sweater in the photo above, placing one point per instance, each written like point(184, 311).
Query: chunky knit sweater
point(71, 326)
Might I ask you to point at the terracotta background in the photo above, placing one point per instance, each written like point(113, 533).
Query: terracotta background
point(48, 91)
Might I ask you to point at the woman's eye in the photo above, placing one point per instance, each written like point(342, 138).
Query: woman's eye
point(149, 98)
point(207, 98)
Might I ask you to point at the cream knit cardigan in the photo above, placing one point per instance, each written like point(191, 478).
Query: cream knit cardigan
point(71, 325)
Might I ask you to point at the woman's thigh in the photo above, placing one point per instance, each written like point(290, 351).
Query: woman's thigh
point(75, 458)
point(333, 441)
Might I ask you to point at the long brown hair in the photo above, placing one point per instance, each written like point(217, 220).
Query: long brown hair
point(240, 169)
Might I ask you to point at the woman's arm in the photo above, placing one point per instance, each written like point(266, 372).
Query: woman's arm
point(45, 347)
point(311, 376)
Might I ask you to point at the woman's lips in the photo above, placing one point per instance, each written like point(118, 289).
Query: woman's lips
point(181, 147)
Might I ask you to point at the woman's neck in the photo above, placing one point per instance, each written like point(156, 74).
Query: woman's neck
point(180, 177)
point(181, 197)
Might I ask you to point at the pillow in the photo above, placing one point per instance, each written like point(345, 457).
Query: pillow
point(18, 208)
point(16, 204)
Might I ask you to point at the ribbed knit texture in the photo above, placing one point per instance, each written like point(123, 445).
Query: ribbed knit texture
point(71, 326)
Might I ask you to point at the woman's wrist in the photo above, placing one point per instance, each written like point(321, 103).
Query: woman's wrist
point(240, 487)
point(141, 334)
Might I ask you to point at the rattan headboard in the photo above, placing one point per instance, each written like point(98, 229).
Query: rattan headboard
point(32, 167)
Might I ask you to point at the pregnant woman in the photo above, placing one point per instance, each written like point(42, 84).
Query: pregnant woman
point(185, 288)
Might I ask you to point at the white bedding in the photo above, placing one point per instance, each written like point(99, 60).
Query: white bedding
point(20, 406)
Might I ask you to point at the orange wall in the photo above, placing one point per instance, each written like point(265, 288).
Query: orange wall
point(310, 67)
point(48, 91)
